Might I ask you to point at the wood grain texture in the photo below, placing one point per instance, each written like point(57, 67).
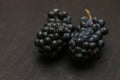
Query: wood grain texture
point(21, 19)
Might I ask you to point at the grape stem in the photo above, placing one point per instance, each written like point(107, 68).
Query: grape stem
point(88, 13)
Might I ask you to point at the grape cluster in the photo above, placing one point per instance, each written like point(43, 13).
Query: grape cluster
point(55, 34)
point(87, 40)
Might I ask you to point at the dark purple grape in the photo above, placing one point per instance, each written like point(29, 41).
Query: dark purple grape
point(82, 23)
point(77, 49)
point(92, 45)
point(101, 22)
point(45, 29)
point(56, 11)
point(51, 30)
point(99, 33)
point(85, 45)
point(54, 44)
point(104, 31)
point(94, 27)
point(95, 20)
point(51, 20)
point(60, 42)
point(79, 41)
point(37, 42)
point(85, 19)
point(100, 43)
point(79, 56)
point(47, 40)
point(39, 35)
point(45, 34)
point(56, 35)
point(51, 14)
point(66, 36)
point(47, 48)
point(60, 15)
point(95, 37)
point(65, 14)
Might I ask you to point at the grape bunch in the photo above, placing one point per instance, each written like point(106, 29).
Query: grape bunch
point(55, 34)
point(87, 40)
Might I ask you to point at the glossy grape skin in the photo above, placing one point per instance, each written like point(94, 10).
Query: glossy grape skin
point(100, 43)
point(82, 23)
point(92, 45)
point(47, 48)
point(94, 27)
point(95, 20)
point(78, 49)
point(84, 18)
point(59, 42)
point(99, 33)
point(79, 41)
point(85, 45)
point(51, 30)
point(36, 42)
point(56, 11)
point(89, 37)
point(60, 15)
point(51, 14)
point(47, 40)
point(101, 22)
point(39, 43)
point(66, 36)
point(95, 37)
point(45, 34)
point(64, 14)
point(39, 35)
point(104, 31)
point(55, 34)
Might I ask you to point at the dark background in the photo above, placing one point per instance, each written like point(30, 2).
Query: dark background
point(21, 19)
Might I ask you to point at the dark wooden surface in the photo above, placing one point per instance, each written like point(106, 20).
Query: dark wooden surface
point(21, 19)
